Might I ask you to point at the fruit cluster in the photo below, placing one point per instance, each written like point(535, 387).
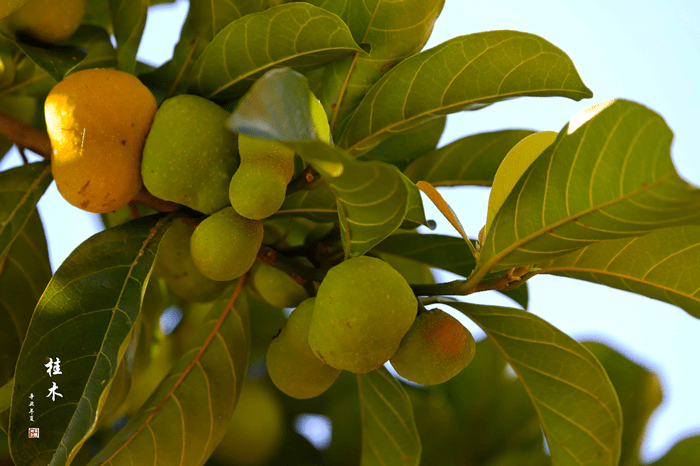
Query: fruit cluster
point(110, 140)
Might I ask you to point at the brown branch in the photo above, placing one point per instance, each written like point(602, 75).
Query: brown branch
point(146, 198)
point(289, 266)
point(25, 136)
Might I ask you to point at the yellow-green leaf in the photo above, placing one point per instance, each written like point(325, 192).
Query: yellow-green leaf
point(574, 398)
point(389, 434)
point(129, 21)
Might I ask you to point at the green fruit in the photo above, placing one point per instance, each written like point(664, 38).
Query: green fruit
point(190, 156)
point(276, 287)
point(224, 246)
point(435, 349)
point(258, 187)
point(174, 264)
point(291, 364)
point(256, 429)
point(363, 309)
point(47, 20)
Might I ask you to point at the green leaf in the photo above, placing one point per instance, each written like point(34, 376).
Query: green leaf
point(408, 145)
point(639, 392)
point(663, 265)
point(415, 212)
point(187, 416)
point(465, 73)
point(98, 13)
point(472, 160)
point(24, 273)
point(20, 190)
point(520, 157)
point(83, 318)
point(372, 197)
point(389, 434)
point(318, 204)
point(56, 60)
point(393, 30)
point(296, 35)
point(520, 295)
point(575, 400)
point(6, 396)
point(100, 52)
point(608, 175)
point(209, 18)
point(685, 452)
point(129, 21)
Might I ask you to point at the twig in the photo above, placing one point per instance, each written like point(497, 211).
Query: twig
point(25, 136)
point(291, 267)
point(146, 198)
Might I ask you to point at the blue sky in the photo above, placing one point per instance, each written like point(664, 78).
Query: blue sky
point(645, 51)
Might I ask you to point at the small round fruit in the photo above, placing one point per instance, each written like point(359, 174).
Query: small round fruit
point(291, 364)
point(174, 264)
point(256, 429)
point(49, 21)
point(224, 246)
point(363, 309)
point(97, 121)
point(435, 349)
point(276, 287)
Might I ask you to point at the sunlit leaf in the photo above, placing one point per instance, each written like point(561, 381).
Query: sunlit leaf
point(444, 208)
point(389, 434)
point(393, 30)
point(20, 190)
point(296, 35)
point(639, 392)
point(24, 273)
point(663, 265)
point(83, 319)
point(574, 398)
point(608, 175)
point(209, 18)
point(472, 160)
point(464, 73)
point(186, 417)
point(372, 197)
point(129, 21)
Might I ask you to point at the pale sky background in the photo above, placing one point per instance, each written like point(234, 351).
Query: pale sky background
point(647, 51)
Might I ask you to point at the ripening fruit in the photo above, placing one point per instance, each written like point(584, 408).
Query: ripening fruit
point(224, 246)
point(363, 309)
point(435, 349)
point(190, 155)
point(258, 187)
point(256, 429)
point(47, 20)
point(97, 121)
point(276, 287)
point(292, 366)
point(174, 264)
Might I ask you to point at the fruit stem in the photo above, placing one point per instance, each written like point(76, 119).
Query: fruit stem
point(289, 266)
point(25, 136)
point(512, 279)
point(148, 199)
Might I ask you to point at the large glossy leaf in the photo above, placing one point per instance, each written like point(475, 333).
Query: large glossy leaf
point(186, 417)
point(663, 265)
point(296, 35)
point(608, 175)
point(24, 273)
point(472, 160)
point(318, 204)
point(389, 434)
point(393, 30)
point(464, 73)
point(83, 319)
point(56, 60)
point(208, 18)
point(372, 197)
point(410, 144)
point(639, 392)
point(573, 396)
point(129, 21)
point(100, 52)
point(20, 190)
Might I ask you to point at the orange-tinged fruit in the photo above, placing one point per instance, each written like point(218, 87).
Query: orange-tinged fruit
point(435, 349)
point(97, 121)
point(47, 20)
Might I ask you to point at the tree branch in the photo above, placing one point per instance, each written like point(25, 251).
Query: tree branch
point(25, 136)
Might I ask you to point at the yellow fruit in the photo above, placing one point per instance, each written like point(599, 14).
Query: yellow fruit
point(276, 287)
point(224, 246)
point(291, 364)
point(363, 309)
point(256, 430)
point(435, 349)
point(47, 20)
point(97, 121)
